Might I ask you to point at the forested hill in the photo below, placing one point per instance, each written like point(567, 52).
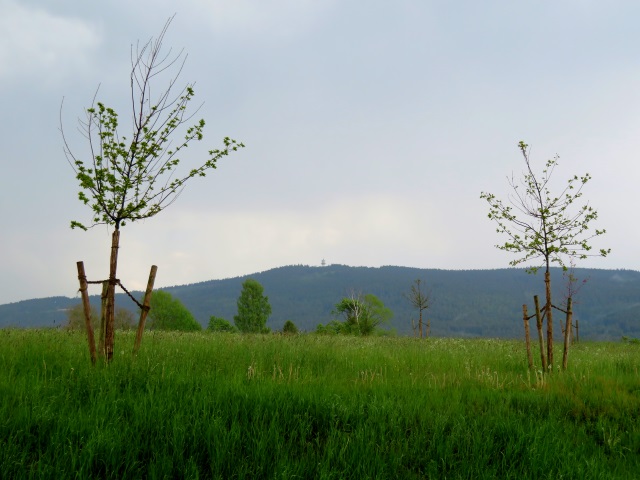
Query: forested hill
point(470, 303)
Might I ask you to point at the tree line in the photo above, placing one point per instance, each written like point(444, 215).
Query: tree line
point(355, 314)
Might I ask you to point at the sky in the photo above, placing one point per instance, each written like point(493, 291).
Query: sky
point(371, 128)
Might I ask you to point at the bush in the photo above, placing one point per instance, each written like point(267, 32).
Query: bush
point(168, 313)
point(332, 328)
point(362, 316)
point(217, 324)
point(289, 328)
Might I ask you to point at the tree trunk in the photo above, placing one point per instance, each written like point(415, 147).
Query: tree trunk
point(548, 311)
point(111, 292)
point(420, 323)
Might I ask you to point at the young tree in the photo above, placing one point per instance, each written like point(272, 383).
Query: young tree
point(136, 176)
point(362, 315)
point(353, 310)
point(169, 313)
point(420, 299)
point(253, 308)
point(545, 226)
point(378, 314)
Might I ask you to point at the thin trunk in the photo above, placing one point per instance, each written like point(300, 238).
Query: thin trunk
point(420, 323)
point(543, 359)
point(567, 334)
point(111, 292)
point(527, 337)
point(548, 311)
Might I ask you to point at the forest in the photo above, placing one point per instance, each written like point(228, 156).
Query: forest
point(465, 303)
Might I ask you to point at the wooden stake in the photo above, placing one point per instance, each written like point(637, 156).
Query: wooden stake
point(103, 318)
point(543, 358)
point(527, 337)
point(87, 311)
point(567, 334)
point(145, 308)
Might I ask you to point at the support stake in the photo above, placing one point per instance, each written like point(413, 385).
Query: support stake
point(145, 308)
point(87, 311)
point(527, 337)
point(567, 334)
point(543, 358)
point(103, 319)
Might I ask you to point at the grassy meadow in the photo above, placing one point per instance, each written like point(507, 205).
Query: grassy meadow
point(227, 406)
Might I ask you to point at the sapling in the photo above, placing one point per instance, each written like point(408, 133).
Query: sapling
point(540, 225)
point(134, 177)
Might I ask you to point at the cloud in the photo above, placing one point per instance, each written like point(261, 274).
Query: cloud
point(36, 42)
point(200, 245)
point(282, 19)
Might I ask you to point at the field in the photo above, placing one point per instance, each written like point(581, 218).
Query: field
point(228, 406)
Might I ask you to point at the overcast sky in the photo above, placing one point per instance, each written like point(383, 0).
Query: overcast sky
point(370, 129)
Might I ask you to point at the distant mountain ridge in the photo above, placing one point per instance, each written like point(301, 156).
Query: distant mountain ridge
point(466, 303)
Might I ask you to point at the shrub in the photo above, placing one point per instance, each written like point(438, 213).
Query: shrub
point(289, 328)
point(217, 324)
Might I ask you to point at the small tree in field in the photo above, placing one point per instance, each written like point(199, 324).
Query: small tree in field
point(169, 313)
point(362, 315)
point(545, 226)
point(132, 177)
point(420, 299)
point(253, 308)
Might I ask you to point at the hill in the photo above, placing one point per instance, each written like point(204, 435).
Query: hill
point(470, 303)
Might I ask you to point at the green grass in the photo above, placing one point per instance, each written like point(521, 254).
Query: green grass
point(225, 406)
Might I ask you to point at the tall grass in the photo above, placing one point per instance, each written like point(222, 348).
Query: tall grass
point(203, 405)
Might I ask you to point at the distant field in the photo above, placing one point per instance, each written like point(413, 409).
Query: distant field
point(231, 406)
